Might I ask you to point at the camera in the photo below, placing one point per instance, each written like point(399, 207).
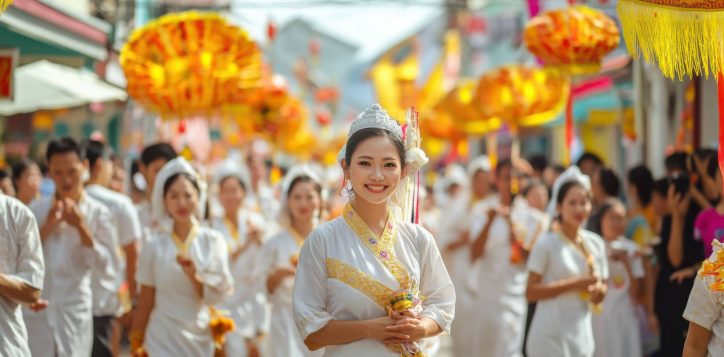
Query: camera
point(681, 183)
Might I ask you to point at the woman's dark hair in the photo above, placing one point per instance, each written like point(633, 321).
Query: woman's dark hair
point(641, 178)
point(661, 186)
point(364, 134)
point(677, 161)
point(158, 151)
point(305, 178)
point(609, 181)
point(243, 187)
point(20, 167)
point(174, 177)
point(607, 205)
point(563, 191)
point(589, 156)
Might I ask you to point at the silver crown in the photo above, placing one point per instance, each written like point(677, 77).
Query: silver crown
point(375, 117)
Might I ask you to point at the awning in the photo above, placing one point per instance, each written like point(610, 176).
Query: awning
point(44, 85)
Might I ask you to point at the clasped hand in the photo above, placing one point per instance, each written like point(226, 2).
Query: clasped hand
point(397, 329)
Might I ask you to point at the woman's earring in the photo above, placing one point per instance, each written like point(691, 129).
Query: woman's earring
point(348, 191)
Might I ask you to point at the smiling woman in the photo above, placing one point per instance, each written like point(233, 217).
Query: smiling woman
point(369, 283)
point(183, 271)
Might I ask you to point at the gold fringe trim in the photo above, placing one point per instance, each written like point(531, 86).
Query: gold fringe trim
point(4, 4)
point(683, 41)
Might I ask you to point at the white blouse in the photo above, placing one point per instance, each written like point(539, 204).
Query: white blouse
point(344, 276)
point(21, 258)
point(179, 321)
point(562, 325)
point(705, 309)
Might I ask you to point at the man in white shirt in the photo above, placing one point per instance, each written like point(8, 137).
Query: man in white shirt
point(106, 304)
point(21, 273)
point(78, 241)
point(153, 158)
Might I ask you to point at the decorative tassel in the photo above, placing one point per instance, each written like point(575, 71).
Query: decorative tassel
point(4, 4)
point(682, 39)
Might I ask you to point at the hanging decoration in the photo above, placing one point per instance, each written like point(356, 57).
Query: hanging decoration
point(189, 63)
point(272, 113)
point(521, 96)
point(572, 40)
point(458, 106)
point(683, 37)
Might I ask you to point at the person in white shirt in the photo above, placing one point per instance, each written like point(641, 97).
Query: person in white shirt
point(78, 242)
point(107, 305)
point(21, 273)
point(26, 178)
point(370, 283)
point(276, 265)
point(153, 157)
point(243, 230)
point(616, 329)
point(502, 228)
point(183, 271)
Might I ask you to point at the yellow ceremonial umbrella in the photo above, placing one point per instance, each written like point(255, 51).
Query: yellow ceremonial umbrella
point(572, 40)
point(189, 63)
point(521, 96)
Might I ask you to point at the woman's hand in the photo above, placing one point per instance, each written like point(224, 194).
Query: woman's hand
point(585, 283)
point(683, 274)
point(598, 292)
point(276, 277)
point(187, 265)
point(412, 327)
point(378, 329)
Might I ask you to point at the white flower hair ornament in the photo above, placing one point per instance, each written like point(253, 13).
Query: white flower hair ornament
point(179, 165)
point(571, 174)
point(232, 168)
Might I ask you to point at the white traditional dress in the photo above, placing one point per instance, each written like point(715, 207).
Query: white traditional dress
point(65, 327)
point(127, 230)
point(616, 329)
point(498, 310)
point(179, 322)
point(346, 273)
point(21, 258)
point(283, 338)
point(247, 304)
point(561, 326)
point(705, 308)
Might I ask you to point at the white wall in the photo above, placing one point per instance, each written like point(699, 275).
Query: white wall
point(709, 112)
point(76, 6)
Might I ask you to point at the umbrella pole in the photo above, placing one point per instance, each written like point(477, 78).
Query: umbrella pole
point(720, 95)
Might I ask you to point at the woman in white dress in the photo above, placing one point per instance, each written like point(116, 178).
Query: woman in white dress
point(243, 232)
point(567, 270)
point(616, 329)
point(301, 210)
point(368, 283)
point(183, 270)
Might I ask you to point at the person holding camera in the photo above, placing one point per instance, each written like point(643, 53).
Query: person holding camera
point(678, 256)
